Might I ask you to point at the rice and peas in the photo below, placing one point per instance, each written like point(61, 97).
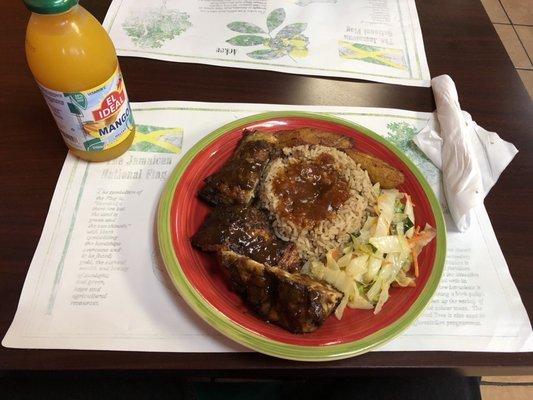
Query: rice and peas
point(358, 238)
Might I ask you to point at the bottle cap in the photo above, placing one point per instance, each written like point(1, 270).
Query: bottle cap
point(50, 6)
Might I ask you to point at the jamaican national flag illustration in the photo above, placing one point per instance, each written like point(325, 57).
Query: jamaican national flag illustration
point(155, 139)
point(373, 54)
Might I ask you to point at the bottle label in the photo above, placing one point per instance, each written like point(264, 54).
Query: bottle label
point(95, 119)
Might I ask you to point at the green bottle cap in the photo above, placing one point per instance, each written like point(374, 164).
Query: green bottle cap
point(50, 6)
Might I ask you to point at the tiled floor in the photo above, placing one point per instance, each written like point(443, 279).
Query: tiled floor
point(507, 387)
point(513, 20)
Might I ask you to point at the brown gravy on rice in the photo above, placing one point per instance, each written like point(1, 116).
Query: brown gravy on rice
point(317, 196)
point(310, 190)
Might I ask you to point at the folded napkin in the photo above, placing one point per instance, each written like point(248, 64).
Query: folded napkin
point(471, 158)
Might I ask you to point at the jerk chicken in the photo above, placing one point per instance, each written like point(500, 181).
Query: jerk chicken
point(236, 182)
point(246, 231)
point(292, 300)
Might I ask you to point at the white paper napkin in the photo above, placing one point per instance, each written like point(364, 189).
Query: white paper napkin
point(471, 158)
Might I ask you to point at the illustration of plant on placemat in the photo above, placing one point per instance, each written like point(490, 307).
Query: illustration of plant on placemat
point(372, 54)
point(288, 41)
point(401, 134)
point(153, 26)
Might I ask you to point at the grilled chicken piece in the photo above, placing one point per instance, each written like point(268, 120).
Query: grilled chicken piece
point(237, 180)
point(310, 136)
point(291, 300)
point(246, 230)
point(378, 170)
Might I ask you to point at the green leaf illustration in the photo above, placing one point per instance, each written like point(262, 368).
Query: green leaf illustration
point(291, 30)
point(246, 40)
point(74, 109)
point(265, 54)
point(152, 27)
point(289, 41)
point(275, 19)
point(245, 27)
point(78, 98)
point(401, 134)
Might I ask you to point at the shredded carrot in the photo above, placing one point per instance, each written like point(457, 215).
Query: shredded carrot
point(414, 239)
point(415, 262)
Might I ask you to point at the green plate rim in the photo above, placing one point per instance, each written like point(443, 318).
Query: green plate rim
point(258, 342)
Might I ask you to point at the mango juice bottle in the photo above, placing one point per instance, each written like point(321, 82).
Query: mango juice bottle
point(75, 65)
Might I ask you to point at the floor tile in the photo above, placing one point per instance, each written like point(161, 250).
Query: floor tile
point(513, 46)
point(489, 392)
point(495, 11)
point(525, 33)
point(527, 78)
point(507, 379)
point(520, 11)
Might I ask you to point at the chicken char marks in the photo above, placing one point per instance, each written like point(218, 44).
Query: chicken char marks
point(237, 181)
point(246, 231)
point(291, 300)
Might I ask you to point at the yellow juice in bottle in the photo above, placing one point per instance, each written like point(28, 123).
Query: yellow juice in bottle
point(75, 65)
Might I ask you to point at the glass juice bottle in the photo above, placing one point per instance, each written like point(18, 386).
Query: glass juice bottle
point(75, 65)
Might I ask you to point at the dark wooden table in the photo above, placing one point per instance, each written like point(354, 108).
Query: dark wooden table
point(459, 40)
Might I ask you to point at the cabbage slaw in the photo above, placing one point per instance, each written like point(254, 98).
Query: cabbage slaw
point(383, 253)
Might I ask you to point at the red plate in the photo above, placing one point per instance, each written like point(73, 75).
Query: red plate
point(187, 212)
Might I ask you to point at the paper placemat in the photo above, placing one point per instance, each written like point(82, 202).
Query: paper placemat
point(377, 40)
point(96, 281)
